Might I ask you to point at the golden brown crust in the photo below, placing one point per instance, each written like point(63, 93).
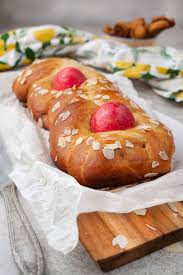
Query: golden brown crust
point(97, 160)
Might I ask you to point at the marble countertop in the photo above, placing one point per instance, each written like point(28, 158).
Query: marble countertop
point(78, 261)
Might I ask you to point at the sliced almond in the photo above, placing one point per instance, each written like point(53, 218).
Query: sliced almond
point(84, 96)
point(145, 127)
point(64, 115)
point(75, 132)
point(105, 97)
point(68, 92)
point(79, 141)
point(133, 105)
point(58, 94)
point(27, 72)
point(173, 207)
point(108, 153)
point(113, 146)
point(22, 80)
point(163, 155)
point(74, 100)
point(96, 145)
point(55, 159)
point(98, 102)
point(151, 227)
point(129, 144)
point(68, 139)
point(140, 212)
point(97, 96)
point(42, 92)
point(91, 81)
point(56, 106)
point(155, 122)
point(90, 140)
point(155, 163)
point(40, 122)
point(120, 240)
point(62, 142)
point(67, 131)
point(150, 175)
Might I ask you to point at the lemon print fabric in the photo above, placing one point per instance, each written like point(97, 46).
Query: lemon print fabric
point(22, 46)
point(160, 67)
point(44, 35)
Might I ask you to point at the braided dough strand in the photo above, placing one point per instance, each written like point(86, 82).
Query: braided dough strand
point(96, 160)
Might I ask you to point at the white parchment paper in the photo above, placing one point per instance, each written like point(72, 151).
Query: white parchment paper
point(57, 198)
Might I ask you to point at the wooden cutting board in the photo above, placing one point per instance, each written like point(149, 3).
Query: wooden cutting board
point(160, 227)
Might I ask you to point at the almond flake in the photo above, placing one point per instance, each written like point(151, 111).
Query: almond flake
point(155, 122)
point(40, 123)
point(108, 153)
point(22, 81)
point(53, 92)
point(68, 139)
point(28, 72)
point(79, 141)
point(75, 132)
point(79, 92)
point(105, 97)
point(68, 92)
point(113, 146)
point(55, 159)
point(118, 144)
point(103, 80)
point(67, 131)
point(173, 207)
point(129, 144)
point(90, 140)
point(38, 88)
point(97, 96)
point(56, 106)
point(150, 175)
point(91, 81)
point(98, 102)
point(151, 227)
point(120, 240)
point(74, 100)
point(163, 155)
point(58, 94)
point(133, 105)
point(96, 145)
point(84, 96)
point(62, 142)
point(64, 115)
point(145, 127)
point(155, 164)
point(42, 91)
point(140, 212)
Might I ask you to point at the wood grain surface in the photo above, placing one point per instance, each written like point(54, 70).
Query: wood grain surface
point(160, 227)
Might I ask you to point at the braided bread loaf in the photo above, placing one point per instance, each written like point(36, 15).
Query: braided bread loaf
point(83, 120)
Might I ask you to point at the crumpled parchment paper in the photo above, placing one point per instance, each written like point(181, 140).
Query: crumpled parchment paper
point(57, 198)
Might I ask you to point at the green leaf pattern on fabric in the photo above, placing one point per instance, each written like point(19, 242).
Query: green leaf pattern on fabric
point(160, 67)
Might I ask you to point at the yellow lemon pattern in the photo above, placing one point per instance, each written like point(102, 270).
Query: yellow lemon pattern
point(44, 35)
point(20, 47)
point(132, 72)
point(162, 70)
